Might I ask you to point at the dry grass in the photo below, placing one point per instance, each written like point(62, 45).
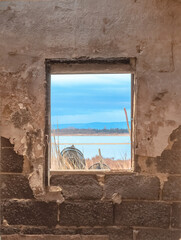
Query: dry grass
point(111, 163)
point(58, 162)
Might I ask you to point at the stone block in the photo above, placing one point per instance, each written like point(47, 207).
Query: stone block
point(157, 234)
point(9, 230)
point(172, 188)
point(78, 186)
point(132, 186)
point(57, 230)
point(30, 212)
point(86, 213)
point(15, 186)
point(146, 214)
point(176, 215)
point(6, 143)
point(11, 161)
point(52, 237)
point(169, 162)
point(94, 237)
point(176, 134)
point(175, 137)
point(120, 233)
point(41, 237)
point(115, 232)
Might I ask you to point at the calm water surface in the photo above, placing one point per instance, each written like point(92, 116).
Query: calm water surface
point(107, 151)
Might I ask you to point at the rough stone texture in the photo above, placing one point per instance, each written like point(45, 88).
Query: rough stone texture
point(132, 186)
point(92, 237)
point(86, 214)
point(10, 161)
point(15, 186)
point(51, 237)
point(146, 214)
point(176, 215)
point(6, 143)
point(29, 212)
point(146, 30)
point(120, 234)
point(157, 234)
point(175, 137)
point(172, 188)
point(55, 231)
point(115, 233)
point(21, 118)
point(72, 29)
point(9, 230)
point(33, 230)
point(78, 186)
point(167, 162)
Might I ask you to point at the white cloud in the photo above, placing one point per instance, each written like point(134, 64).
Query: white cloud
point(88, 79)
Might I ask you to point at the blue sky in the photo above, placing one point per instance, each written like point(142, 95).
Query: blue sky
point(84, 98)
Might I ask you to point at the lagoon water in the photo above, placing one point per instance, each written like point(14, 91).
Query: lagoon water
point(121, 152)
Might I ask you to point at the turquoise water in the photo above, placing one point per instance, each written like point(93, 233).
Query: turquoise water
point(122, 152)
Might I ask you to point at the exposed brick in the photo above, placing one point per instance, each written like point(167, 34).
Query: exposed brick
point(46, 230)
point(115, 233)
point(157, 234)
point(78, 186)
point(145, 164)
point(175, 137)
point(148, 214)
point(52, 237)
point(41, 237)
point(86, 213)
point(10, 161)
point(176, 134)
point(132, 186)
point(120, 234)
point(137, 167)
point(94, 237)
point(6, 143)
point(176, 145)
point(8, 230)
point(169, 162)
point(36, 230)
point(15, 186)
point(172, 188)
point(176, 215)
point(94, 230)
point(30, 212)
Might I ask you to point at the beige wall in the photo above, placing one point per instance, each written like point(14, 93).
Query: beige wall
point(141, 205)
point(32, 31)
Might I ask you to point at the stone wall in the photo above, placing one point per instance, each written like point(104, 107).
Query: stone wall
point(139, 205)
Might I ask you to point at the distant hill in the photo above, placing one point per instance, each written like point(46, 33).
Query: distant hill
point(93, 125)
point(88, 131)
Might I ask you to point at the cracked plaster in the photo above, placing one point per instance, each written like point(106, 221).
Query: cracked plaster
point(147, 30)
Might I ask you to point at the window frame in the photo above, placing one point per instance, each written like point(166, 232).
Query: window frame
point(87, 66)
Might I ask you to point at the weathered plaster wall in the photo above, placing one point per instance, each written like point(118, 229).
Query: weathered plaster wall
point(149, 30)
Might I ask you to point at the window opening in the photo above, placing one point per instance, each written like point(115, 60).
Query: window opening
point(91, 121)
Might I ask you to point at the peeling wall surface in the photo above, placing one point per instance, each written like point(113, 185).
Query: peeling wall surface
point(144, 204)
